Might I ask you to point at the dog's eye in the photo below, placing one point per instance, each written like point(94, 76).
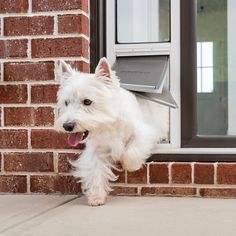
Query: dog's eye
point(87, 102)
point(66, 103)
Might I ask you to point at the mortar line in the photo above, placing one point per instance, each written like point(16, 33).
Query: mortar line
point(30, 6)
point(2, 26)
point(55, 29)
point(28, 94)
point(48, 36)
point(28, 183)
point(27, 127)
point(42, 150)
point(26, 105)
point(46, 13)
point(29, 139)
point(2, 117)
point(76, 58)
point(192, 172)
point(55, 162)
point(2, 163)
point(170, 172)
point(215, 172)
point(29, 54)
point(148, 173)
point(2, 72)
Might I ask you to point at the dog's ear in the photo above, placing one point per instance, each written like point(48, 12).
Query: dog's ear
point(64, 70)
point(103, 69)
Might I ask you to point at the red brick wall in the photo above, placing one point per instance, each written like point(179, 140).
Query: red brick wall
point(34, 35)
point(33, 157)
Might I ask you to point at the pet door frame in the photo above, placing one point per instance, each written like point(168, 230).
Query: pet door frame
point(170, 49)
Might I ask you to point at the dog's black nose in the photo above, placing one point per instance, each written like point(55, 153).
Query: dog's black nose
point(69, 126)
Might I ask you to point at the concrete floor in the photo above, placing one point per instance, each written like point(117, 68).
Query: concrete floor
point(122, 216)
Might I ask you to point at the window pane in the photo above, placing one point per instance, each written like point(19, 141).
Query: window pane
point(199, 54)
point(207, 80)
point(216, 50)
point(207, 54)
point(142, 21)
point(199, 80)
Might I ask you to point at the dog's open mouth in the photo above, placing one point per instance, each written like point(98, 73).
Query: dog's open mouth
point(77, 138)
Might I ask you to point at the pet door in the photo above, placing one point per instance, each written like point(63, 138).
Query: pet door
point(142, 45)
point(147, 77)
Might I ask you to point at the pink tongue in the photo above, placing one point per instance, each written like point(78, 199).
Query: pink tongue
point(75, 138)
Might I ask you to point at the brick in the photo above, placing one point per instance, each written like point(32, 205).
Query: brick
point(121, 176)
point(54, 184)
point(203, 174)
point(181, 173)
point(171, 191)
point(13, 94)
point(37, 25)
point(49, 139)
point(64, 165)
point(60, 47)
point(31, 162)
point(44, 93)
point(117, 190)
point(13, 184)
point(0, 162)
point(137, 177)
point(158, 173)
point(226, 174)
point(79, 66)
point(59, 5)
point(68, 24)
point(13, 138)
point(13, 48)
point(28, 116)
point(120, 173)
point(13, 6)
point(29, 71)
point(218, 193)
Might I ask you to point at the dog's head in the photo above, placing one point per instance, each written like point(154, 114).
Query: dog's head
point(86, 102)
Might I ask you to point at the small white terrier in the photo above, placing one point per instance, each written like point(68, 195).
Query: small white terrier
point(115, 125)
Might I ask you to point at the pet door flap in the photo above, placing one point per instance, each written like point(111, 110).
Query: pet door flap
point(165, 98)
point(146, 76)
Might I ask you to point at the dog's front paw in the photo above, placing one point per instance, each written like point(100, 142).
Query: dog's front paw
point(97, 200)
point(132, 164)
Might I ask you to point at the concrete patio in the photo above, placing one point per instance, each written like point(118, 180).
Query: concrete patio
point(41, 215)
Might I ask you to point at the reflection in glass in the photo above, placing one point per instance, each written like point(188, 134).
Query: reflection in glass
point(207, 80)
point(205, 67)
point(216, 58)
point(142, 21)
point(207, 54)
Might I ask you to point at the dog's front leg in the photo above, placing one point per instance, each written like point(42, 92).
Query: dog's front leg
point(94, 173)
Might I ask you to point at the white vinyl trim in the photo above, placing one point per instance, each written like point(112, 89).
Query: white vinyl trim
point(151, 49)
point(167, 149)
point(175, 119)
point(172, 49)
point(110, 36)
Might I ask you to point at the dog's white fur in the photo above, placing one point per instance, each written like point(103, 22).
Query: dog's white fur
point(122, 128)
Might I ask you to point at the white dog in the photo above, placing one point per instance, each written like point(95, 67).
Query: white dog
point(114, 124)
